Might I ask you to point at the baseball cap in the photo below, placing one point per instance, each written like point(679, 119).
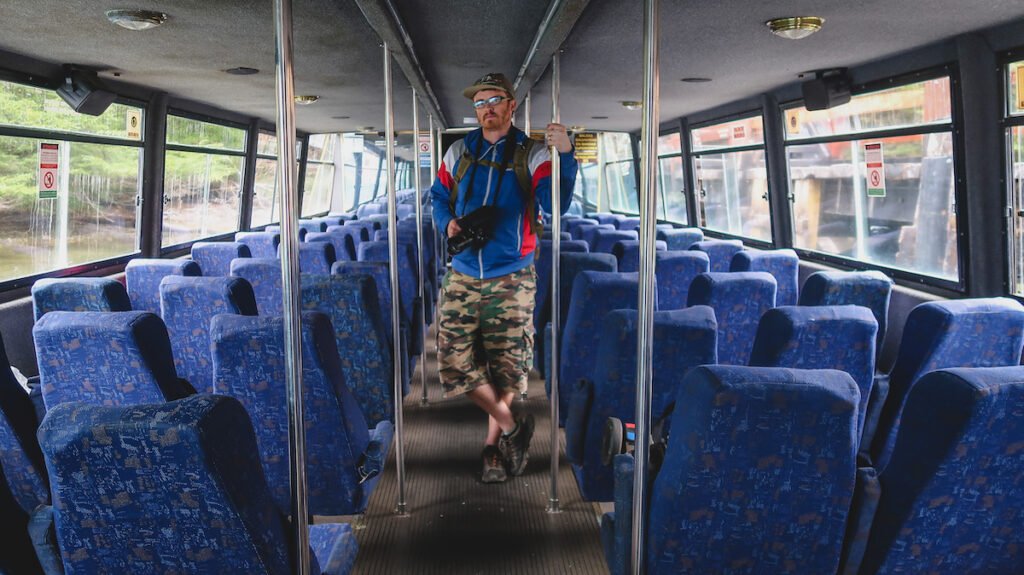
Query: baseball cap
point(491, 81)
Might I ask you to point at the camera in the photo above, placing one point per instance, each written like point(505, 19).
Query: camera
point(477, 229)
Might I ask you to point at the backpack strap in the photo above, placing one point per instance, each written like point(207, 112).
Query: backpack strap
point(460, 172)
point(519, 165)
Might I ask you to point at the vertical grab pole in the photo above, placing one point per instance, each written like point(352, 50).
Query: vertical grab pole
point(290, 279)
point(526, 128)
point(645, 304)
point(419, 245)
point(389, 134)
point(556, 249)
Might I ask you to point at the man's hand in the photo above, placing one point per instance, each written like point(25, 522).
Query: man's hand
point(453, 228)
point(555, 135)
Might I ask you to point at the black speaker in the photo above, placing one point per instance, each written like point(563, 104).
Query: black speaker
point(826, 91)
point(85, 94)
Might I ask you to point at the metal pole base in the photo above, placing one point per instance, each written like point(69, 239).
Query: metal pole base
point(553, 506)
point(358, 523)
point(401, 510)
point(523, 396)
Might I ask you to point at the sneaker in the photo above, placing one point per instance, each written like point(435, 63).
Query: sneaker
point(494, 467)
point(515, 447)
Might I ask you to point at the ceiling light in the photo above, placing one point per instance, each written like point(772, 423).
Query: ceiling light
point(599, 117)
point(242, 71)
point(136, 19)
point(340, 117)
point(632, 104)
point(795, 28)
point(695, 80)
point(306, 100)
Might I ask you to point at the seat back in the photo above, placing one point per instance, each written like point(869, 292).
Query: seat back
point(378, 271)
point(825, 337)
point(607, 218)
point(264, 275)
point(675, 271)
point(983, 332)
point(542, 265)
point(344, 246)
point(951, 499)
point(407, 283)
point(681, 238)
point(571, 225)
point(142, 277)
point(739, 299)
point(333, 220)
point(629, 224)
point(368, 209)
point(720, 252)
point(261, 244)
point(78, 294)
point(194, 482)
point(784, 266)
point(870, 289)
point(188, 304)
point(21, 462)
point(564, 236)
point(315, 225)
point(627, 252)
point(105, 358)
point(758, 474)
point(572, 264)
point(315, 257)
point(365, 227)
point(605, 240)
point(276, 228)
point(249, 365)
point(214, 258)
point(351, 303)
point(589, 234)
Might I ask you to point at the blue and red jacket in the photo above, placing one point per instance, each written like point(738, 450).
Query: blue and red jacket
point(513, 244)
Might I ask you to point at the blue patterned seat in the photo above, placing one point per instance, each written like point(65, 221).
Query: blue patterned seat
point(675, 271)
point(379, 221)
point(633, 225)
point(594, 295)
point(351, 303)
point(984, 332)
point(784, 266)
point(188, 304)
point(142, 277)
point(739, 299)
point(314, 225)
point(564, 236)
point(720, 252)
point(78, 294)
point(571, 225)
point(344, 246)
point(368, 209)
point(366, 228)
point(542, 309)
point(407, 285)
point(315, 257)
point(681, 238)
point(951, 499)
point(214, 258)
point(355, 236)
point(171, 488)
point(758, 475)
point(249, 365)
point(579, 227)
point(261, 244)
point(18, 557)
point(628, 253)
point(276, 228)
point(22, 471)
point(608, 218)
point(589, 234)
point(106, 358)
point(334, 219)
point(824, 337)
point(264, 275)
point(605, 240)
point(683, 339)
point(870, 289)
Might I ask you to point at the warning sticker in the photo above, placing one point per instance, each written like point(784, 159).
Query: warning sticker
point(49, 169)
point(133, 124)
point(1020, 87)
point(739, 132)
point(793, 122)
point(423, 149)
point(586, 146)
point(874, 163)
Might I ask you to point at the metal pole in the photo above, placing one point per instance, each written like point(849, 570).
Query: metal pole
point(556, 249)
point(526, 128)
point(646, 301)
point(290, 279)
point(419, 245)
point(389, 135)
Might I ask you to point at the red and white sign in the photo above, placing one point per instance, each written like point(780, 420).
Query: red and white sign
point(49, 170)
point(874, 164)
point(739, 132)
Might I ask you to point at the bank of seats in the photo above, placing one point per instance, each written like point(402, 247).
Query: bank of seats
point(720, 252)
point(572, 225)
point(675, 271)
point(782, 264)
point(106, 358)
point(757, 477)
point(984, 332)
point(355, 233)
point(344, 246)
point(78, 294)
point(341, 450)
point(214, 258)
point(739, 299)
point(681, 238)
point(682, 340)
point(303, 230)
point(142, 278)
point(870, 289)
point(187, 305)
point(334, 219)
point(589, 234)
point(951, 499)
point(410, 303)
point(627, 252)
point(170, 488)
point(542, 309)
point(605, 240)
point(315, 257)
point(261, 244)
point(264, 276)
point(607, 218)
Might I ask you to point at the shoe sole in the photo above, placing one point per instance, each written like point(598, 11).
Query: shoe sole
point(493, 476)
point(530, 424)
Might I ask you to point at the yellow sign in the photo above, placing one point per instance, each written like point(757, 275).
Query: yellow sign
point(1020, 87)
point(133, 124)
point(586, 147)
point(793, 121)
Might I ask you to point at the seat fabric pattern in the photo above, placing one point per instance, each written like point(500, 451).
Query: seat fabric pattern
point(870, 289)
point(739, 300)
point(344, 246)
point(675, 271)
point(758, 474)
point(542, 309)
point(356, 234)
point(264, 275)
point(605, 240)
point(628, 253)
point(261, 244)
point(316, 257)
point(608, 219)
point(21, 461)
point(78, 294)
point(589, 234)
point(571, 225)
point(784, 266)
point(407, 282)
point(142, 277)
point(720, 252)
point(681, 238)
point(214, 258)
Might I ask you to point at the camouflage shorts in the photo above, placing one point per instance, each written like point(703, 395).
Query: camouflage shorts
point(485, 332)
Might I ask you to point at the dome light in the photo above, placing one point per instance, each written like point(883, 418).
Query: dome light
point(632, 104)
point(795, 28)
point(306, 100)
point(136, 19)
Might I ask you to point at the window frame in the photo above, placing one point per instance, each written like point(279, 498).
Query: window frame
point(1007, 123)
point(334, 165)
point(663, 197)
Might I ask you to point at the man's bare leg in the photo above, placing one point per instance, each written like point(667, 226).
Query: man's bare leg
point(493, 429)
point(487, 398)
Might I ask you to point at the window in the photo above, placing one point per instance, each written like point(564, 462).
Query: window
point(1014, 125)
point(86, 211)
point(319, 185)
point(265, 185)
point(732, 183)
point(202, 179)
point(620, 181)
point(671, 183)
point(872, 180)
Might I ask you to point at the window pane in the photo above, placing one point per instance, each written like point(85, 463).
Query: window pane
point(673, 189)
point(911, 227)
point(321, 147)
point(1017, 195)
point(733, 188)
point(669, 144)
point(616, 146)
point(744, 132)
point(1015, 88)
point(586, 184)
point(98, 220)
point(266, 144)
point(621, 187)
point(200, 195)
point(188, 132)
point(316, 195)
point(30, 107)
point(917, 104)
point(264, 201)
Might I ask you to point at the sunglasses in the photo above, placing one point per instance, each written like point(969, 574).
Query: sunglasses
point(492, 101)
